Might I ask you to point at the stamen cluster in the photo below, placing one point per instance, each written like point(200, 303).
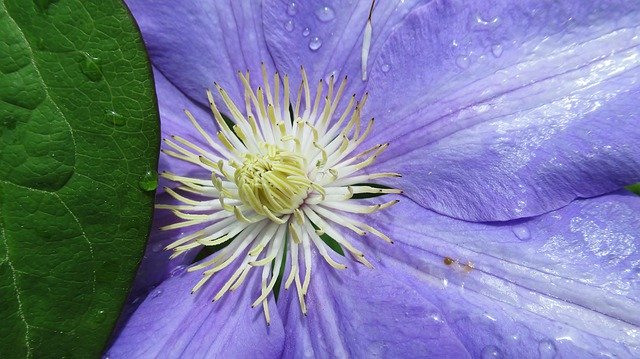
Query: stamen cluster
point(283, 174)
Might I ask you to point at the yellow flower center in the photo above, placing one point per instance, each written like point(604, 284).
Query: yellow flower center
point(275, 181)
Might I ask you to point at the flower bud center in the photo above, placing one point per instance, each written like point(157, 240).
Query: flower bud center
point(275, 180)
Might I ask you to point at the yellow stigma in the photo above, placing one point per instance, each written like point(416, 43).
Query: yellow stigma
point(275, 181)
point(286, 173)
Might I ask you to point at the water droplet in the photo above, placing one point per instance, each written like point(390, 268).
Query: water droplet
point(106, 356)
point(436, 317)
point(547, 350)
point(496, 50)
point(44, 4)
point(385, 68)
point(156, 293)
point(315, 43)
point(462, 62)
point(289, 25)
point(306, 32)
point(477, 23)
point(178, 271)
point(333, 73)
point(325, 14)
point(100, 317)
point(157, 247)
point(292, 9)
point(522, 232)
point(308, 352)
point(149, 181)
point(491, 352)
point(116, 118)
point(90, 68)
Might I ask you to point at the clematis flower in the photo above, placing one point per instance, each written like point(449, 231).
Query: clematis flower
point(514, 125)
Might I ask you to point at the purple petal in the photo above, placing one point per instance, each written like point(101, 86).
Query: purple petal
point(173, 122)
point(508, 109)
point(197, 43)
point(564, 283)
point(172, 323)
point(364, 313)
point(326, 36)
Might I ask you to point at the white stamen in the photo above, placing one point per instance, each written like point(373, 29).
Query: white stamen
point(366, 42)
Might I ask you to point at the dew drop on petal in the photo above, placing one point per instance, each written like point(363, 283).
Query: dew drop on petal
point(315, 43)
point(178, 271)
point(157, 247)
point(496, 50)
point(491, 352)
point(156, 293)
point(547, 349)
point(435, 317)
point(308, 352)
point(385, 68)
point(292, 9)
point(325, 14)
point(289, 25)
point(478, 23)
point(462, 62)
point(306, 32)
point(522, 232)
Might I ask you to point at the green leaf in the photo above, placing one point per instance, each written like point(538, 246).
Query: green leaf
point(635, 188)
point(78, 150)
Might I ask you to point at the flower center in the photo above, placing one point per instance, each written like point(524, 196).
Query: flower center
point(275, 182)
point(284, 175)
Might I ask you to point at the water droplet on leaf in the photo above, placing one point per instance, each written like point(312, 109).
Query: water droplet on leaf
point(292, 9)
point(44, 4)
point(325, 14)
point(149, 181)
point(315, 43)
point(90, 68)
point(522, 232)
point(306, 32)
point(289, 25)
point(100, 317)
point(116, 118)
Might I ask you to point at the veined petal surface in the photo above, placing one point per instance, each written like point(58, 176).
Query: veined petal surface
point(502, 109)
point(567, 282)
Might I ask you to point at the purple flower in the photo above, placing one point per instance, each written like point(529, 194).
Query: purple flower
point(514, 125)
